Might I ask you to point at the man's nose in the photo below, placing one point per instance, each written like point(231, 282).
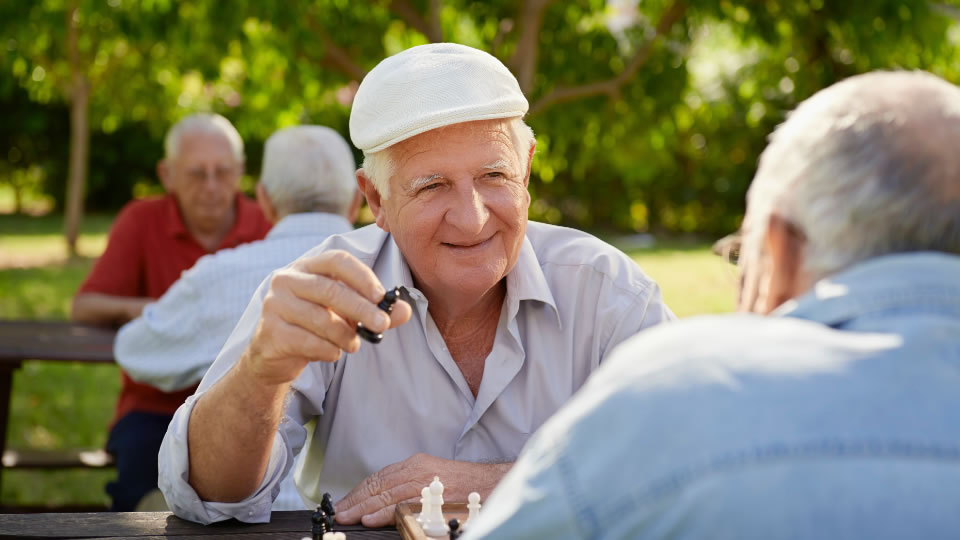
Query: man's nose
point(469, 211)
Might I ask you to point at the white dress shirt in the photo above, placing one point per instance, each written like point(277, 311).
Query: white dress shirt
point(172, 344)
point(570, 299)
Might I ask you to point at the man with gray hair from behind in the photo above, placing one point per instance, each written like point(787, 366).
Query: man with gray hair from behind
point(830, 410)
point(307, 189)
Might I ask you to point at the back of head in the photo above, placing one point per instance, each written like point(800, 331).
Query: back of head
point(865, 168)
point(308, 169)
point(202, 123)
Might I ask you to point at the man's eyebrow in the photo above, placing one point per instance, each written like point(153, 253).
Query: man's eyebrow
point(421, 181)
point(498, 164)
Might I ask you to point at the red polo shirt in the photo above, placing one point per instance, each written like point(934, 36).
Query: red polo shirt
point(148, 247)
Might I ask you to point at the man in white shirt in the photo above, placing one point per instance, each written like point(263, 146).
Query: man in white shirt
point(505, 319)
point(307, 189)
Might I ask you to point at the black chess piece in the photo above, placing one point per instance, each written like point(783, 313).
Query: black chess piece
point(386, 305)
point(320, 525)
point(455, 531)
point(326, 504)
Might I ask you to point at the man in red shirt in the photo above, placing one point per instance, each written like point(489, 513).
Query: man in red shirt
point(151, 242)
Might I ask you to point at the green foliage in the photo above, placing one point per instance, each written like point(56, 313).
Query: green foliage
point(671, 147)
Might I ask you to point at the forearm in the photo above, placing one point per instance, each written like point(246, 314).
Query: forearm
point(230, 435)
point(484, 477)
point(99, 308)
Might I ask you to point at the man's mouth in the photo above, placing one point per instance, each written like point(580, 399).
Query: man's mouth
point(468, 245)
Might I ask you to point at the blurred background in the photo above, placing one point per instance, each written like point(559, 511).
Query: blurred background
point(649, 114)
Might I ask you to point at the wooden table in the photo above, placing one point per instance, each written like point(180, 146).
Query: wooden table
point(157, 525)
point(57, 341)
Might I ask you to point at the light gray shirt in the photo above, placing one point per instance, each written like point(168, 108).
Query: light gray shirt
point(176, 339)
point(570, 299)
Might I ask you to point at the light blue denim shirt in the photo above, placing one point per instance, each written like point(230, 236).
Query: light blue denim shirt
point(837, 418)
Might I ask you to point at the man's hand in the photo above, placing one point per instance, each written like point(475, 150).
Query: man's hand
point(374, 501)
point(311, 312)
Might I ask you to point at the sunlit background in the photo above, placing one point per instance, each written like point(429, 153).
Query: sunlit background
point(650, 116)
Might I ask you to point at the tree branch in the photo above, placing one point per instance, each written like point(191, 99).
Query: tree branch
point(611, 87)
point(524, 59)
point(334, 56)
point(430, 28)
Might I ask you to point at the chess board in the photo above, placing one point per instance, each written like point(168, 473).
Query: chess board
point(406, 518)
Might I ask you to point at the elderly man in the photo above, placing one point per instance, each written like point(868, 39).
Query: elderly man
point(307, 188)
point(508, 317)
point(151, 242)
point(834, 416)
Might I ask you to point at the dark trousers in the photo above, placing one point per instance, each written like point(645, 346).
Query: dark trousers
point(135, 443)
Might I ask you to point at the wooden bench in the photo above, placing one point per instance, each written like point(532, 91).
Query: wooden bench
point(51, 341)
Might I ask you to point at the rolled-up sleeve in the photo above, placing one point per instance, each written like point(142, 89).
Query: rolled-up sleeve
point(174, 457)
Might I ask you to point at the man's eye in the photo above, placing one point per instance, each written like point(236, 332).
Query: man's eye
point(428, 187)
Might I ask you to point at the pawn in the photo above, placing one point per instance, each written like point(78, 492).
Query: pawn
point(424, 505)
point(473, 507)
point(455, 531)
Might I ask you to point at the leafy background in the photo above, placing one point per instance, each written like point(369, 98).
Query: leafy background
point(650, 115)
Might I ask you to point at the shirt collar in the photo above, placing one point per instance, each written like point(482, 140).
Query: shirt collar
point(916, 281)
point(309, 224)
point(525, 282)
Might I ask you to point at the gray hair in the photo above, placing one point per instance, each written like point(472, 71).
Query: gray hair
point(867, 167)
point(379, 166)
point(309, 169)
point(202, 123)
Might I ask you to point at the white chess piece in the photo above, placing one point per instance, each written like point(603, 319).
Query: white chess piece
point(433, 525)
point(424, 505)
point(473, 507)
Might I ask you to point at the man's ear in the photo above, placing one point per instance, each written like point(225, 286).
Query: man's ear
point(373, 199)
point(266, 204)
point(533, 148)
point(165, 174)
point(788, 280)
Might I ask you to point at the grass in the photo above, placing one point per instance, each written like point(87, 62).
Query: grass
point(57, 406)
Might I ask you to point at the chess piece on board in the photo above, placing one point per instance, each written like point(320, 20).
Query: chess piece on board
point(424, 505)
point(320, 524)
point(455, 531)
point(473, 507)
point(434, 526)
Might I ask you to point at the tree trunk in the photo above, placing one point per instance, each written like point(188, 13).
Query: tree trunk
point(79, 137)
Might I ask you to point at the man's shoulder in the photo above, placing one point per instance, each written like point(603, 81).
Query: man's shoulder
point(715, 348)
point(558, 247)
point(147, 208)
point(364, 243)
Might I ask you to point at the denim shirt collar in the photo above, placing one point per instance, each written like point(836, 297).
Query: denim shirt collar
point(921, 282)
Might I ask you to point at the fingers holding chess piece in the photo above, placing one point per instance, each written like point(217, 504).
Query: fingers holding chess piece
point(386, 305)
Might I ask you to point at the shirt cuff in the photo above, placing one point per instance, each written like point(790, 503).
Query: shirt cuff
point(174, 472)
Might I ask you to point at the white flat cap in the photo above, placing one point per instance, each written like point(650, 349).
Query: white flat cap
point(428, 87)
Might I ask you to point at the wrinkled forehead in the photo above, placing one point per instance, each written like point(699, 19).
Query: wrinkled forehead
point(467, 143)
point(204, 146)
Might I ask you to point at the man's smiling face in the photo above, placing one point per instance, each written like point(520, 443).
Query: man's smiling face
point(458, 206)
